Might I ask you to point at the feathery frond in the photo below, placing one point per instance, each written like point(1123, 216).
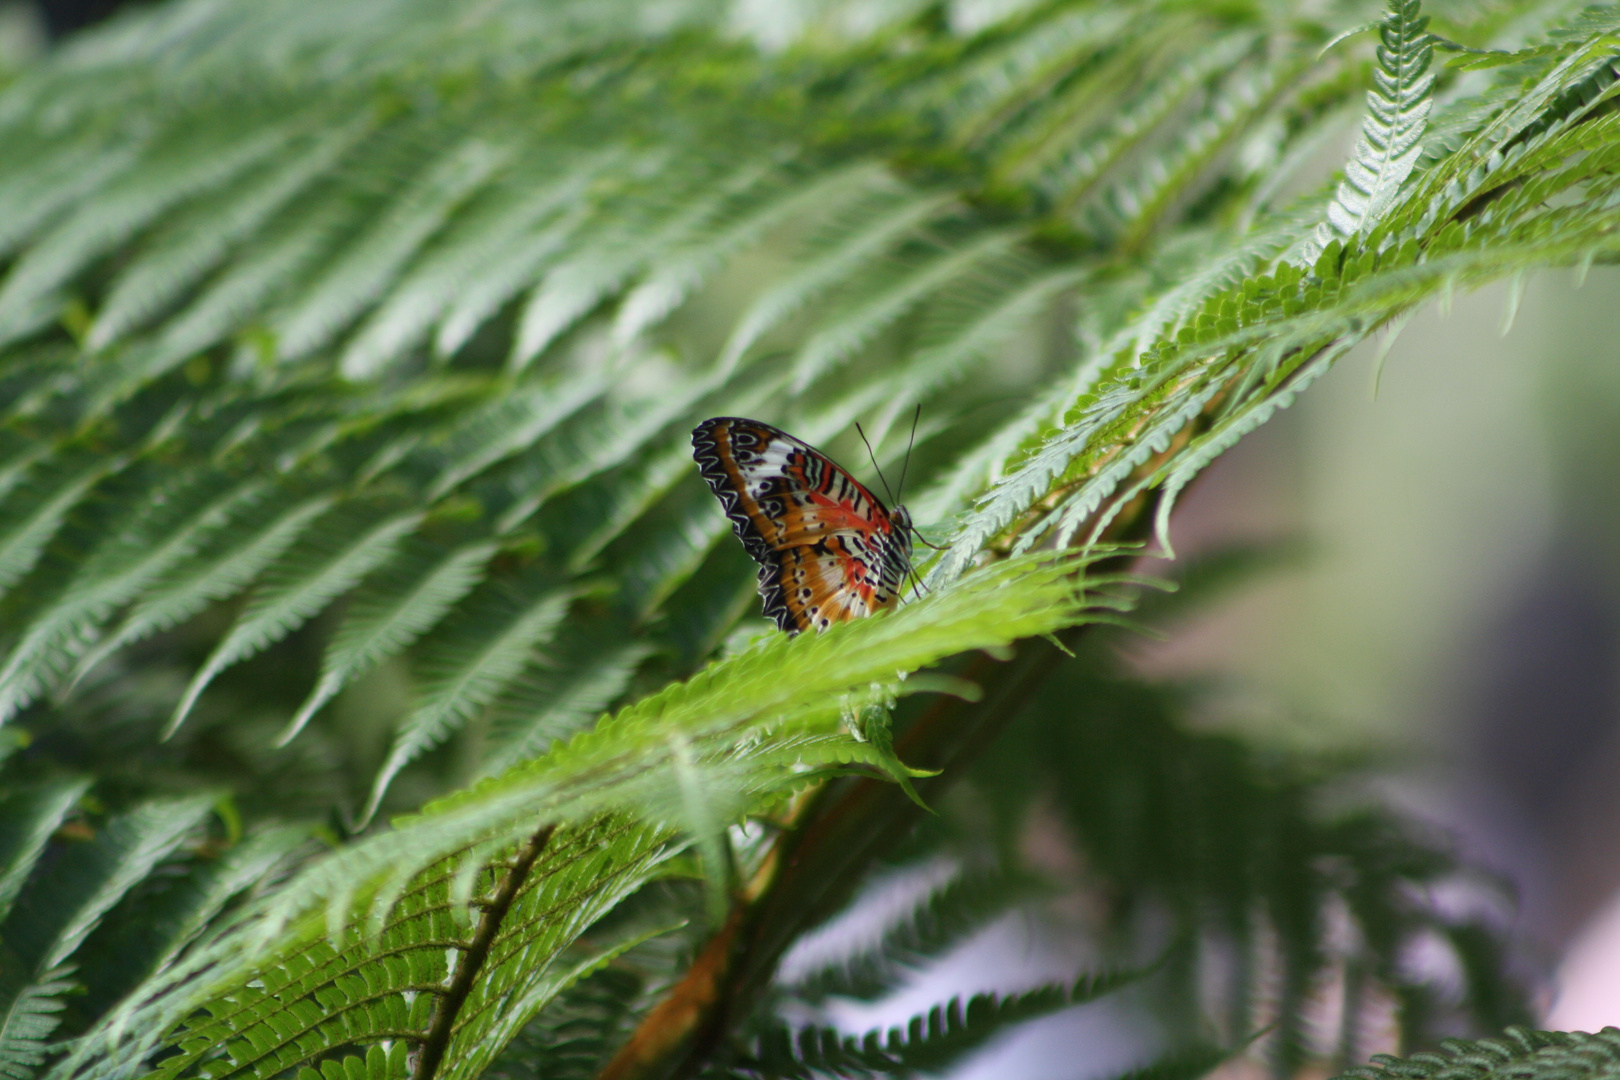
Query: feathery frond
point(943, 1034)
point(1397, 111)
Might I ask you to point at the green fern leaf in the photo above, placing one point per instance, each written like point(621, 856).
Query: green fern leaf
point(393, 986)
point(931, 1040)
point(28, 1016)
point(943, 919)
point(65, 904)
point(229, 565)
point(676, 274)
point(1519, 1052)
point(465, 671)
point(607, 261)
point(741, 693)
point(311, 577)
point(1178, 176)
point(188, 511)
point(386, 615)
point(511, 424)
point(549, 704)
point(845, 247)
point(27, 820)
point(470, 264)
point(1084, 164)
point(234, 298)
point(242, 869)
point(37, 519)
point(842, 335)
point(1397, 111)
point(198, 162)
point(340, 294)
point(64, 174)
point(200, 238)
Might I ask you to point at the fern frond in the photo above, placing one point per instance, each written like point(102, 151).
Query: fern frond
point(576, 456)
point(940, 921)
point(198, 161)
point(241, 551)
point(197, 240)
point(28, 818)
point(928, 1041)
point(1519, 1052)
point(1397, 111)
point(265, 263)
point(841, 249)
point(468, 266)
point(1083, 164)
point(737, 694)
point(28, 1016)
point(609, 259)
point(511, 425)
point(624, 761)
point(350, 286)
point(64, 904)
point(187, 512)
point(465, 670)
point(676, 274)
point(577, 1032)
point(312, 577)
point(840, 337)
point(1140, 206)
point(295, 241)
point(584, 673)
point(64, 173)
point(36, 511)
point(385, 615)
point(180, 902)
point(1005, 70)
point(385, 988)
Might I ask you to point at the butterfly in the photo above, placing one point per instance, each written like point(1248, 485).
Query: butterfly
point(828, 549)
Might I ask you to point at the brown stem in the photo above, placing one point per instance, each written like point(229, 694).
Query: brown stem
point(472, 959)
point(684, 1018)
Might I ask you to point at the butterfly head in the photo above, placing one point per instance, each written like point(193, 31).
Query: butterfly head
point(903, 528)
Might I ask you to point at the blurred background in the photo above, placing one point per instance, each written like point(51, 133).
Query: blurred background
point(1445, 600)
point(1457, 617)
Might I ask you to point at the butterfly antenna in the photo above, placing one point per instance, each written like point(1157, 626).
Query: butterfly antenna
point(909, 443)
point(886, 491)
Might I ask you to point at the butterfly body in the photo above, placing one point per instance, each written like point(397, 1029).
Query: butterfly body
point(828, 549)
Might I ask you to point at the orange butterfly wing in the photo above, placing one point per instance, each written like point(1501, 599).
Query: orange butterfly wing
point(827, 549)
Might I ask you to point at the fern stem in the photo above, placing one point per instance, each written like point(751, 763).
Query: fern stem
point(437, 1041)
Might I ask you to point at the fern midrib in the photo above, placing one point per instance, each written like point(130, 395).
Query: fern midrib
point(472, 960)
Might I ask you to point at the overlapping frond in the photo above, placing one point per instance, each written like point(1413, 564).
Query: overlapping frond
point(746, 734)
point(929, 1040)
point(944, 918)
point(1220, 365)
point(382, 989)
point(1398, 109)
point(31, 1013)
point(93, 903)
point(1520, 1052)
